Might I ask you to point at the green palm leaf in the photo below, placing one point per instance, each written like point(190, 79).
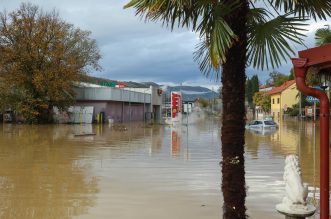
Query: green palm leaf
point(268, 42)
point(317, 9)
point(257, 15)
point(322, 36)
point(206, 17)
point(211, 52)
point(217, 37)
point(185, 12)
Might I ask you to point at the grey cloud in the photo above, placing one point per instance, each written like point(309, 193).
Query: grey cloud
point(133, 49)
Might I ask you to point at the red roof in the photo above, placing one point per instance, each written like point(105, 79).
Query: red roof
point(282, 87)
point(263, 86)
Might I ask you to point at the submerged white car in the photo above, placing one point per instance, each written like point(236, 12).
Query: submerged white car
point(259, 124)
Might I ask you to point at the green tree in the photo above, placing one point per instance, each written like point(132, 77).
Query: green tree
point(255, 84)
point(311, 78)
point(255, 88)
point(252, 86)
point(203, 102)
point(262, 99)
point(276, 78)
point(249, 91)
point(41, 58)
point(322, 36)
point(235, 34)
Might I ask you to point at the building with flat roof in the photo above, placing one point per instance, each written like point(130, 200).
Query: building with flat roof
point(113, 103)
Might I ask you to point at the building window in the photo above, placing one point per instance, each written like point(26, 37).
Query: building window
point(278, 100)
point(273, 101)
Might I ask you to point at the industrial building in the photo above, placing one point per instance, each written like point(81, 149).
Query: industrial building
point(110, 103)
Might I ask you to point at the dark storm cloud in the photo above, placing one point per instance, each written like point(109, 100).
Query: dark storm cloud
point(133, 49)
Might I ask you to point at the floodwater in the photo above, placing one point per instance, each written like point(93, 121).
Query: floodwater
point(142, 172)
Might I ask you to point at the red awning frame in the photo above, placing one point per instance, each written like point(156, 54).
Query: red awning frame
point(319, 58)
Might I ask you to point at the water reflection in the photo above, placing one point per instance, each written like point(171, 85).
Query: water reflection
point(139, 171)
point(175, 141)
point(269, 151)
point(38, 179)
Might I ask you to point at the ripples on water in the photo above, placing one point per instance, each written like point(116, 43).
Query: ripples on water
point(142, 172)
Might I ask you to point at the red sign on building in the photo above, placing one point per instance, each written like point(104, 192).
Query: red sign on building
point(121, 85)
point(176, 104)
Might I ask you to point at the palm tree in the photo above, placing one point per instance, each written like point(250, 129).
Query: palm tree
point(322, 36)
point(235, 34)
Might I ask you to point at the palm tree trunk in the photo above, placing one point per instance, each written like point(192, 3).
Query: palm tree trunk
point(233, 120)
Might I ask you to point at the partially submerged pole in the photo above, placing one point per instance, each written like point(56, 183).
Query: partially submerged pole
point(300, 69)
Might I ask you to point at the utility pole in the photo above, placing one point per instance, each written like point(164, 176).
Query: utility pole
point(144, 106)
point(300, 105)
point(130, 105)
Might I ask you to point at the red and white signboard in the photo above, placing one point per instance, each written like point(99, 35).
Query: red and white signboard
point(121, 85)
point(176, 105)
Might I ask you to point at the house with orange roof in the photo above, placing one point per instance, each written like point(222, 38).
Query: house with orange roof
point(283, 97)
point(264, 88)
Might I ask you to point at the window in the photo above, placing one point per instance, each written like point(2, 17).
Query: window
point(273, 101)
point(269, 123)
point(278, 100)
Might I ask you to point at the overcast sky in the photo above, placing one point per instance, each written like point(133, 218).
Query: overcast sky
point(134, 50)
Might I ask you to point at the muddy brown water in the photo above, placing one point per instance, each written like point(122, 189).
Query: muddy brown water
point(142, 172)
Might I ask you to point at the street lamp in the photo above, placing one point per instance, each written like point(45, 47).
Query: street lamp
point(323, 81)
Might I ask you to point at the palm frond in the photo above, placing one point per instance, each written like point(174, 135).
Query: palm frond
point(202, 56)
point(268, 42)
point(211, 51)
point(205, 17)
point(258, 15)
point(216, 38)
point(316, 9)
point(169, 12)
point(322, 36)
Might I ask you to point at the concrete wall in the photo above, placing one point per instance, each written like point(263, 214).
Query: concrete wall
point(133, 112)
point(117, 111)
point(140, 90)
point(275, 105)
point(156, 98)
point(259, 113)
point(114, 111)
point(111, 94)
point(289, 96)
point(121, 105)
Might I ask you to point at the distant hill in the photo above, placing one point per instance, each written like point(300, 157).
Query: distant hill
point(191, 93)
point(150, 84)
point(97, 80)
